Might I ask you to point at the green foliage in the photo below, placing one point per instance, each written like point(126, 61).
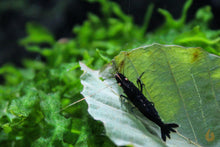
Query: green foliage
point(32, 97)
point(37, 34)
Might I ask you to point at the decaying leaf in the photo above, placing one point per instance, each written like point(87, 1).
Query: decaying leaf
point(183, 83)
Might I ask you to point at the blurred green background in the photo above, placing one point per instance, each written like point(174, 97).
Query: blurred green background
point(59, 17)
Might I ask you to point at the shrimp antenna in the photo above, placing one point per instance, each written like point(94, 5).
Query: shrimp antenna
point(86, 97)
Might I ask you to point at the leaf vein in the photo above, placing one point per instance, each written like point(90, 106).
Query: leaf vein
point(180, 94)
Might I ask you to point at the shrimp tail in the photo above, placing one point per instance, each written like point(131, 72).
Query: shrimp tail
point(166, 129)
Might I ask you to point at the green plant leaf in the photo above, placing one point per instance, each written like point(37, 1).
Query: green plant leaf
point(182, 82)
point(170, 22)
point(37, 34)
point(56, 124)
